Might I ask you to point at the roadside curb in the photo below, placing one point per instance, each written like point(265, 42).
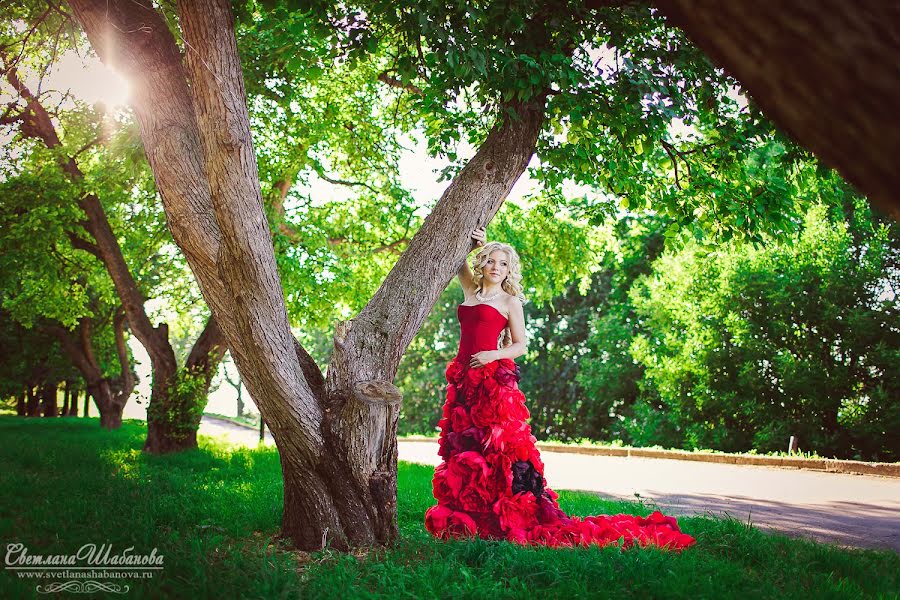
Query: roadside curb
point(238, 423)
point(829, 465)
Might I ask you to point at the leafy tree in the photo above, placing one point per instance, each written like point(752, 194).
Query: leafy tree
point(71, 141)
point(29, 376)
point(748, 346)
point(48, 286)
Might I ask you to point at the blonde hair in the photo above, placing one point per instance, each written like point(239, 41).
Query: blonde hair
point(511, 284)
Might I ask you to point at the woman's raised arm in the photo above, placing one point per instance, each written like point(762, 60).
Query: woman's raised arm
point(466, 278)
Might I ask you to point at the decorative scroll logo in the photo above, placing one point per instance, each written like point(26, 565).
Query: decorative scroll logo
point(84, 571)
point(82, 587)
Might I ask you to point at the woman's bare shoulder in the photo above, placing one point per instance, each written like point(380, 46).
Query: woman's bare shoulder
point(509, 301)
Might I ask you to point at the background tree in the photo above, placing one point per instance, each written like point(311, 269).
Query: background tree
point(37, 364)
point(60, 292)
point(172, 417)
point(762, 344)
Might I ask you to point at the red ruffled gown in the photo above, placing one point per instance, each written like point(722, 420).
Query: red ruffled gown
point(491, 482)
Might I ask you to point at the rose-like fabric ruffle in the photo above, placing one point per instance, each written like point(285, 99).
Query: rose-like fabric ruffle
point(491, 483)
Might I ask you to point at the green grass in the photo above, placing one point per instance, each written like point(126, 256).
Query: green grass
point(214, 513)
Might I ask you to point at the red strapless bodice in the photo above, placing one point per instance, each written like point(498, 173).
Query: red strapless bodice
point(480, 328)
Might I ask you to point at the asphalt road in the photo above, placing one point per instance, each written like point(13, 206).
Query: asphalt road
point(850, 510)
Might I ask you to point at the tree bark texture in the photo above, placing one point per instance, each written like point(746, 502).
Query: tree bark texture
point(826, 72)
point(336, 438)
point(176, 429)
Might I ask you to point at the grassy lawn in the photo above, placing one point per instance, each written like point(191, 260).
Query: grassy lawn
point(214, 513)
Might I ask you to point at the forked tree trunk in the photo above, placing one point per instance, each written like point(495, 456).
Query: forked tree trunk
point(107, 404)
point(336, 440)
point(109, 395)
point(177, 430)
point(827, 72)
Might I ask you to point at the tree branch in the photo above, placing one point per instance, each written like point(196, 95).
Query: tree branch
point(24, 41)
point(126, 379)
point(396, 83)
point(668, 148)
point(87, 346)
point(82, 244)
point(7, 118)
point(345, 182)
point(100, 139)
point(208, 350)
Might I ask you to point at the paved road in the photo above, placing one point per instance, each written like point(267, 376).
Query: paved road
point(851, 510)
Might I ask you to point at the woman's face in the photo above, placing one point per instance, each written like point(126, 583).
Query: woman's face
point(497, 267)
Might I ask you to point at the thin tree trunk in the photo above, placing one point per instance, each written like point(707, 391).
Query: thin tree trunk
point(20, 404)
point(33, 403)
point(238, 388)
point(65, 407)
point(177, 430)
point(826, 72)
point(73, 403)
point(49, 402)
point(108, 406)
point(109, 395)
point(87, 404)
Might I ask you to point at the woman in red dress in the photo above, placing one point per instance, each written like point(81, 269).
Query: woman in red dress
point(491, 482)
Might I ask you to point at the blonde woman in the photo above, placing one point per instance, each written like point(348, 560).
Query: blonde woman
point(491, 483)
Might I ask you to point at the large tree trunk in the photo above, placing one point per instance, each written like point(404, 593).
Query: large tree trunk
point(826, 72)
point(20, 404)
point(177, 428)
point(337, 440)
